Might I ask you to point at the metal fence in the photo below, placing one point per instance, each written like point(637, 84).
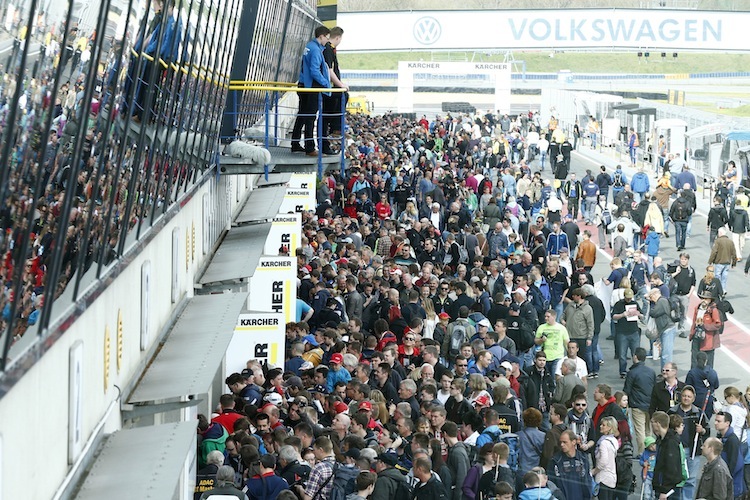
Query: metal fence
point(109, 114)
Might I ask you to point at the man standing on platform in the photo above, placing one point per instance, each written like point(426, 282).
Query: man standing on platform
point(332, 103)
point(314, 74)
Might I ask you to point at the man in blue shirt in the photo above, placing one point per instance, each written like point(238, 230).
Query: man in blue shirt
point(314, 74)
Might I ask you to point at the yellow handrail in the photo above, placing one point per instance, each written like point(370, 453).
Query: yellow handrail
point(272, 88)
point(261, 82)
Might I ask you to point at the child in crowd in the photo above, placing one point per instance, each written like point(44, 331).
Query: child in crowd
point(648, 462)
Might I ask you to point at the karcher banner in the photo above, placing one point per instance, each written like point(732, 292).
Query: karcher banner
point(544, 29)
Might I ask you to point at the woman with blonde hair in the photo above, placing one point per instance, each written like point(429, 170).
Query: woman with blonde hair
point(733, 404)
point(478, 387)
point(431, 319)
point(379, 407)
point(605, 472)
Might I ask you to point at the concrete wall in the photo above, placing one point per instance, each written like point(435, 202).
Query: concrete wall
point(34, 414)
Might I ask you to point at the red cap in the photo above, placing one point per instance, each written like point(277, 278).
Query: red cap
point(482, 400)
point(341, 407)
point(365, 405)
point(337, 358)
point(444, 315)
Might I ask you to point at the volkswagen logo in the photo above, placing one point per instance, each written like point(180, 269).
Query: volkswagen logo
point(427, 30)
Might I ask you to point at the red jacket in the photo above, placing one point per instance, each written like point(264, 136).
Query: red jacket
point(227, 418)
point(712, 325)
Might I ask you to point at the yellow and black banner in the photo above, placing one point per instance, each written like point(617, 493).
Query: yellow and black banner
point(327, 10)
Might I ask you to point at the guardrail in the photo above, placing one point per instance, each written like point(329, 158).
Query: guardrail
point(273, 111)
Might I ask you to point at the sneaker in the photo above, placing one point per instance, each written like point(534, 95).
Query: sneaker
point(666, 235)
point(623, 375)
point(601, 361)
point(593, 375)
point(296, 148)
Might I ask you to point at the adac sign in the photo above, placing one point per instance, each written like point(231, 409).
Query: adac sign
point(427, 30)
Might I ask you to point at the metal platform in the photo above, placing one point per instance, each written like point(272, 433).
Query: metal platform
point(282, 160)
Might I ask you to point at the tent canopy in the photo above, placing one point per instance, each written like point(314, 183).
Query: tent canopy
point(738, 135)
point(669, 123)
point(705, 130)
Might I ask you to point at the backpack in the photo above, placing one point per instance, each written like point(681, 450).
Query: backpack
point(606, 217)
point(511, 440)
point(463, 255)
point(724, 307)
point(676, 313)
point(680, 210)
point(344, 482)
point(458, 337)
point(624, 468)
point(404, 491)
point(618, 180)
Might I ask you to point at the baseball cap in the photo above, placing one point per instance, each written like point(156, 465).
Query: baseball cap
point(628, 293)
point(310, 339)
point(515, 307)
point(294, 381)
point(482, 400)
point(444, 315)
point(648, 441)
point(353, 453)
point(484, 322)
point(341, 407)
point(506, 364)
point(337, 358)
point(388, 458)
point(365, 405)
point(521, 292)
point(320, 388)
point(247, 373)
point(273, 398)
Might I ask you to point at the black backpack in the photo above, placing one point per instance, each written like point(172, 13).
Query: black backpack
point(344, 482)
point(618, 180)
point(624, 468)
point(681, 212)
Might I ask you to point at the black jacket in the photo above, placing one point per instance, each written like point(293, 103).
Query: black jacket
point(738, 221)
point(431, 490)
point(661, 399)
point(668, 469)
point(534, 382)
point(717, 217)
point(639, 385)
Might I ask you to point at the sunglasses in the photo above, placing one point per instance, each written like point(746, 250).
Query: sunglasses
point(462, 365)
point(581, 404)
point(410, 338)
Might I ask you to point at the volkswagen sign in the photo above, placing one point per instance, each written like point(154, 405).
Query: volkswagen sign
point(427, 30)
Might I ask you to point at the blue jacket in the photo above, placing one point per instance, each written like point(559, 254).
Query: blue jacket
point(171, 43)
point(489, 435)
point(571, 475)
point(267, 487)
point(557, 241)
point(652, 244)
point(341, 375)
point(640, 183)
point(314, 67)
point(536, 494)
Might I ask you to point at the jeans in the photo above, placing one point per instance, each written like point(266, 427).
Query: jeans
point(559, 308)
point(542, 159)
point(633, 155)
point(680, 229)
point(552, 366)
point(589, 204)
point(665, 214)
point(573, 207)
point(648, 489)
point(685, 301)
point(592, 355)
point(712, 234)
point(721, 271)
point(583, 351)
point(694, 468)
point(624, 342)
point(667, 344)
point(593, 139)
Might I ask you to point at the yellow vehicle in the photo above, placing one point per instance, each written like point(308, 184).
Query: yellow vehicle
point(359, 104)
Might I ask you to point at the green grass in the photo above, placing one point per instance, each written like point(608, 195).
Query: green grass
point(540, 62)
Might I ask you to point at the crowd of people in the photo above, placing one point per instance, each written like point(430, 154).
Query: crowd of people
point(448, 329)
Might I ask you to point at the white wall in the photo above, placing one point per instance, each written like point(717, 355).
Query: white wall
point(34, 414)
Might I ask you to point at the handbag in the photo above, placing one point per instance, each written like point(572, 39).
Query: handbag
point(700, 333)
point(650, 331)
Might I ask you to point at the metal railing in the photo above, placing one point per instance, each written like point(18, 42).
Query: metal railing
point(274, 112)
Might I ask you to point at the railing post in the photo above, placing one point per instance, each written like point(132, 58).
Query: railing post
point(344, 96)
point(320, 135)
point(265, 142)
point(276, 117)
